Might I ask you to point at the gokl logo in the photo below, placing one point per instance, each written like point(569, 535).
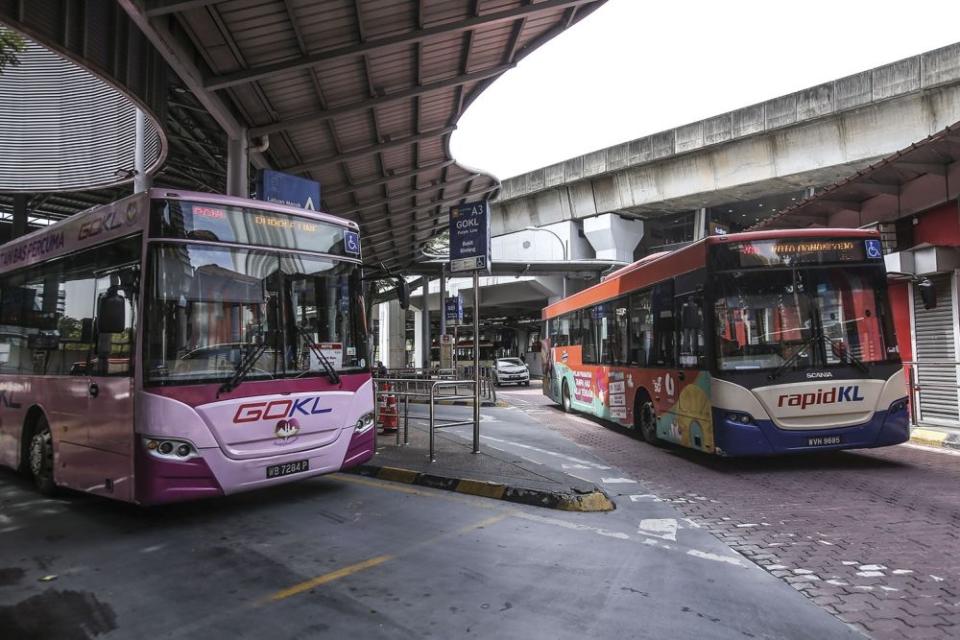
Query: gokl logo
point(111, 220)
point(287, 430)
point(833, 396)
point(256, 411)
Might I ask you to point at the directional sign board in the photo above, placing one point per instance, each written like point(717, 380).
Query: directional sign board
point(286, 188)
point(470, 237)
point(453, 308)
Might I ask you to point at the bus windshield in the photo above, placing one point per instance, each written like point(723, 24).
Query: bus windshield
point(213, 307)
point(811, 317)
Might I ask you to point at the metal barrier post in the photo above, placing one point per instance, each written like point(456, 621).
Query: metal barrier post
point(432, 456)
point(476, 361)
point(406, 420)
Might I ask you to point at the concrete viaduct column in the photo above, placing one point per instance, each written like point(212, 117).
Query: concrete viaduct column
point(613, 237)
point(393, 335)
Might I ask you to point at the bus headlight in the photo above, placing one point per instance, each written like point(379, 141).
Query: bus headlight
point(364, 424)
point(168, 449)
point(741, 418)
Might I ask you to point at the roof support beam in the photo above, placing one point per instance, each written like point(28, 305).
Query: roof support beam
point(162, 7)
point(406, 194)
point(182, 64)
point(317, 117)
point(399, 175)
point(366, 151)
point(921, 167)
point(303, 62)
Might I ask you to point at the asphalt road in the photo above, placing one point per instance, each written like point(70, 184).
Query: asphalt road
point(870, 536)
point(345, 556)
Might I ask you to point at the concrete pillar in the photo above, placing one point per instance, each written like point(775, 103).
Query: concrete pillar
point(393, 335)
point(443, 301)
point(418, 349)
point(238, 163)
point(613, 237)
point(700, 224)
point(425, 325)
point(19, 215)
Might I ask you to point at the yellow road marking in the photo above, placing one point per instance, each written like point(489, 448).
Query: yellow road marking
point(329, 577)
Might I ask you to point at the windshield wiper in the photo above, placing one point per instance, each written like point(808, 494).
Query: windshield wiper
point(783, 367)
point(315, 348)
point(243, 368)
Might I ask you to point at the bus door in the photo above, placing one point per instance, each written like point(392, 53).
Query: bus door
point(110, 432)
point(692, 409)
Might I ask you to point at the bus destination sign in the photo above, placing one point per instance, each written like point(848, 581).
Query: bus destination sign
point(765, 253)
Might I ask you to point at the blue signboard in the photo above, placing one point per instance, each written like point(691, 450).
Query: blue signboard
point(351, 242)
point(453, 309)
point(874, 249)
point(470, 237)
point(285, 188)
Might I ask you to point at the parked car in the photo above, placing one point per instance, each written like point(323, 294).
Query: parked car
point(511, 371)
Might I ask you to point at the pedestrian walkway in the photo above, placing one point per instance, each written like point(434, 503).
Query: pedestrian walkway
point(491, 473)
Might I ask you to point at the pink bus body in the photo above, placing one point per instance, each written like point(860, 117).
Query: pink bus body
point(208, 283)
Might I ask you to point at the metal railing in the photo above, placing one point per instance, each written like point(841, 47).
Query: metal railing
point(417, 386)
point(915, 387)
point(488, 390)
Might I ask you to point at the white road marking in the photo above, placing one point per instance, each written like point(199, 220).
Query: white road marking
point(837, 583)
point(641, 497)
point(665, 528)
point(591, 465)
point(936, 578)
point(871, 567)
point(572, 525)
point(870, 574)
point(617, 481)
point(717, 558)
point(901, 572)
point(574, 466)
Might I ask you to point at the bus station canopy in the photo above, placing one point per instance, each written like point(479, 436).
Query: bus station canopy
point(360, 95)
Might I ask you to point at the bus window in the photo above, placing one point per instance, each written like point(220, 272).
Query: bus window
point(690, 314)
point(588, 336)
point(621, 333)
point(641, 328)
point(563, 331)
point(664, 325)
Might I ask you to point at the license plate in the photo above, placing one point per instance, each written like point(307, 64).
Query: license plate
point(288, 468)
point(823, 440)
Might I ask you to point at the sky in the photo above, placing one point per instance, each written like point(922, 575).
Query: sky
point(636, 67)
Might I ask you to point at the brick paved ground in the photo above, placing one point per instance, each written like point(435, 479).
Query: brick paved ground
point(871, 536)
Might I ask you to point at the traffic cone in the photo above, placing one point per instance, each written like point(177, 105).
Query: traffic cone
point(389, 410)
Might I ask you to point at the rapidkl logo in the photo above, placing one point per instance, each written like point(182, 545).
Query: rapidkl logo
point(277, 409)
point(833, 396)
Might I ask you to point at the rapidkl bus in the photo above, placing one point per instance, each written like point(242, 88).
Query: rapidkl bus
point(176, 345)
point(745, 344)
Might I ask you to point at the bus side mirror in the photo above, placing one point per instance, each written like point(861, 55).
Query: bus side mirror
point(927, 293)
point(111, 314)
point(403, 293)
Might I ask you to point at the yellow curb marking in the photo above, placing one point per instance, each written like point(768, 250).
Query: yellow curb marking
point(397, 475)
point(482, 489)
point(929, 437)
point(590, 502)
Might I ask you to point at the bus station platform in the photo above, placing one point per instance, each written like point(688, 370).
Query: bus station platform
point(491, 473)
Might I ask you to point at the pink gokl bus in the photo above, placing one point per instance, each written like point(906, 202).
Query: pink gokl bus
point(177, 345)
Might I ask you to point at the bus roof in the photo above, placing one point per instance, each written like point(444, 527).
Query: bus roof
point(122, 218)
point(659, 266)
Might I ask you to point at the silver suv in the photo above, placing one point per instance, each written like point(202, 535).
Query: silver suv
point(511, 371)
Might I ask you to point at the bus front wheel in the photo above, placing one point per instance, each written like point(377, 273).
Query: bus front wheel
point(41, 457)
point(565, 398)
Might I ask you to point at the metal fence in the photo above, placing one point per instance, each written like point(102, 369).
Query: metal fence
point(423, 386)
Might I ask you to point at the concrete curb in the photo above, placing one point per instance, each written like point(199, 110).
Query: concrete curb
point(935, 438)
point(569, 500)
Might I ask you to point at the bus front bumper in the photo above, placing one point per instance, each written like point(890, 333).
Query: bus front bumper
point(763, 437)
point(214, 474)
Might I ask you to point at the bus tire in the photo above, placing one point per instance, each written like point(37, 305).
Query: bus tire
point(40, 460)
point(646, 419)
point(565, 398)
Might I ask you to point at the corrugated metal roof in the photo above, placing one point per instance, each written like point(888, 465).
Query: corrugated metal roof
point(362, 95)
